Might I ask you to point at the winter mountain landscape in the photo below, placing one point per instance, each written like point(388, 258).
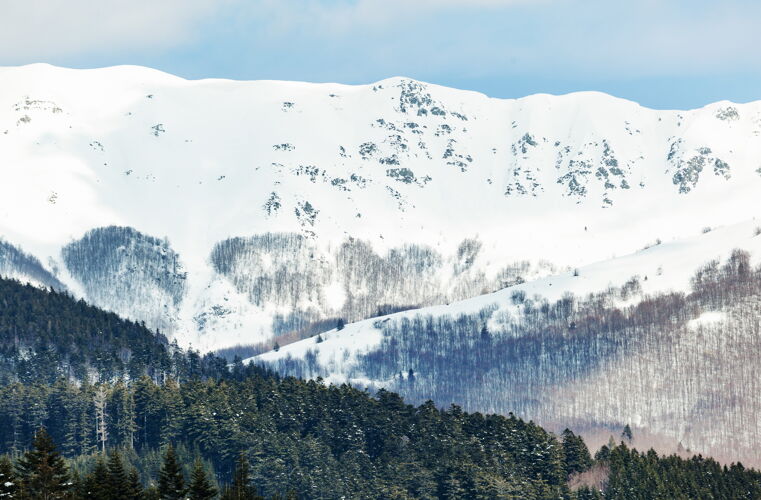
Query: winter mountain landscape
point(227, 282)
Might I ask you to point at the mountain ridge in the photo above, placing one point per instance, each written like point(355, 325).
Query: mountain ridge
point(390, 79)
point(424, 184)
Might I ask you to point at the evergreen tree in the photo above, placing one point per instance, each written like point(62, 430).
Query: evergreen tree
point(576, 455)
point(171, 479)
point(151, 493)
point(627, 433)
point(8, 482)
point(41, 471)
point(96, 485)
point(124, 406)
point(118, 482)
point(240, 489)
point(587, 493)
point(200, 487)
point(134, 489)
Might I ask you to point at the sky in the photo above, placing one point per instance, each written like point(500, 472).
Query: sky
point(667, 54)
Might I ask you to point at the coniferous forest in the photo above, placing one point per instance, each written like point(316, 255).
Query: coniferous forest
point(93, 406)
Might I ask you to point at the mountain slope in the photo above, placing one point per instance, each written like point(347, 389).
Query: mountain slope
point(227, 212)
point(666, 340)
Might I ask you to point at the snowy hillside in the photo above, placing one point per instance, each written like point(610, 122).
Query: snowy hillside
point(227, 212)
point(666, 267)
point(666, 340)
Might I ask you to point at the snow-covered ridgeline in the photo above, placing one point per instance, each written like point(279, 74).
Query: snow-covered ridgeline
point(259, 207)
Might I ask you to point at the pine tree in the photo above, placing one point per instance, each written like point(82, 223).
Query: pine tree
point(627, 434)
point(42, 472)
point(124, 404)
point(117, 478)
point(587, 493)
point(241, 488)
point(151, 493)
point(8, 482)
point(171, 480)
point(575, 453)
point(96, 484)
point(134, 487)
point(452, 489)
point(200, 487)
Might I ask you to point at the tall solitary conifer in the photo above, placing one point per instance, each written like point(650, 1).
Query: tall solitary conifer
point(42, 472)
point(117, 478)
point(241, 488)
point(200, 486)
point(134, 487)
point(171, 480)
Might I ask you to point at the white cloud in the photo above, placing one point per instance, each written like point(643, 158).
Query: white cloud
point(49, 30)
point(46, 29)
point(334, 17)
point(354, 38)
point(655, 38)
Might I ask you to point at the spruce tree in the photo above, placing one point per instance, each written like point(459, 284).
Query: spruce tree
point(42, 472)
point(171, 480)
point(576, 455)
point(8, 482)
point(117, 478)
point(151, 493)
point(96, 485)
point(241, 488)
point(124, 403)
point(627, 433)
point(587, 493)
point(200, 487)
point(134, 487)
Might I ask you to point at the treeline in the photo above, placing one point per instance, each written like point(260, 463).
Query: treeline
point(633, 475)
point(46, 335)
point(320, 441)
point(41, 473)
point(182, 426)
point(288, 270)
point(592, 361)
point(14, 262)
point(427, 454)
point(131, 273)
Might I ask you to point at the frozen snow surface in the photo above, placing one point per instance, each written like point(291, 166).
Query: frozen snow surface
point(225, 212)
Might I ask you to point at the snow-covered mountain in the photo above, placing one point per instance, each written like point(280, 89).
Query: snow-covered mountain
point(228, 212)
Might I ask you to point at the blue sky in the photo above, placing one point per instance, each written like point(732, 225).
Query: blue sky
point(662, 53)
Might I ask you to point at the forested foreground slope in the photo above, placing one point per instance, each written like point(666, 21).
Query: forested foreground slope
point(47, 335)
point(307, 438)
